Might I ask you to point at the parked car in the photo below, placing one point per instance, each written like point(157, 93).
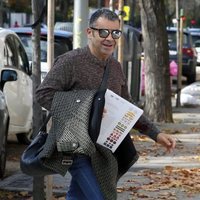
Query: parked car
point(62, 44)
point(195, 32)
point(18, 47)
point(18, 94)
point(42, 25)
point(189, 59)
point(5, 76)
point(197, 47)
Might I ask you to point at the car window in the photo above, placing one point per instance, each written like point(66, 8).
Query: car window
point(10, 56)
point(60, 46)
point(26, 40)
point(22, 57)
point(197, 43)
point(172, 38)
point(195, 38)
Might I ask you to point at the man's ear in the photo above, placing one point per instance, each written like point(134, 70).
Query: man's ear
point(89, 32)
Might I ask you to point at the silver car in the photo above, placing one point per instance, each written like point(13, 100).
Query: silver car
point(5, 76)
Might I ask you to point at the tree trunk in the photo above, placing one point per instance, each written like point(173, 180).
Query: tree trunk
point(157, 79)
point(38, 182)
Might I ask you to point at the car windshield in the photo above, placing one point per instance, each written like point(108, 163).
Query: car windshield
point(172, 38)
point(60, 45)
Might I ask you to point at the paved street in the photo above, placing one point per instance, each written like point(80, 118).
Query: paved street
point(153, 163)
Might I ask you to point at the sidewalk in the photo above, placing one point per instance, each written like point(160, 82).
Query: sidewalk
point(156, 174)
point(187, 131)
point(164, 176)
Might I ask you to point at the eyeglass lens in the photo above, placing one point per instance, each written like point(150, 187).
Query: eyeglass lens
point(104, 33)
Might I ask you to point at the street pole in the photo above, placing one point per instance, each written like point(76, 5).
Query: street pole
point(50, 60)
point(50, 36)
point(38, 182)
point(80, 23)
point(179, 75)
point(121, 39)
point(111, 5)
point(180, 62)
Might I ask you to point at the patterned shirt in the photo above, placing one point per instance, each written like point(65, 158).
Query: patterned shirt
point(80, 69)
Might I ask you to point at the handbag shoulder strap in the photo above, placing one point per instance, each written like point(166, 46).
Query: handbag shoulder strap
point(104, 81)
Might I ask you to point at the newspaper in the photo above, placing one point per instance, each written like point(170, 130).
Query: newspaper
point(118, 120)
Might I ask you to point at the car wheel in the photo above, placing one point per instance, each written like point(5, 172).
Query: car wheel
point(25, 138)
point(3, 153)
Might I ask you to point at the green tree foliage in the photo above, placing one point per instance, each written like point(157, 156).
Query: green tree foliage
point(20, 5)
point(64, 10)
point(190, 8)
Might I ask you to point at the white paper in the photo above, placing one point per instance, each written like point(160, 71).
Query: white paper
point(119, 119)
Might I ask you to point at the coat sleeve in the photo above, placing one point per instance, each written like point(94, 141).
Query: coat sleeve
point(146, 127)
point(57, 79)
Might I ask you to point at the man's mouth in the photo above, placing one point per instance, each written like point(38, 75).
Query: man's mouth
point(108, 45)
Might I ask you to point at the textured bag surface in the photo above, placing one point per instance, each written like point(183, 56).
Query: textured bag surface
point(70, 120)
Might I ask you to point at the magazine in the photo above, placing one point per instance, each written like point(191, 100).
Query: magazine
point(118, 120)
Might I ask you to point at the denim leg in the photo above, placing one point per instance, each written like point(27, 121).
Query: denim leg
point(75, 192)
point(84, 185)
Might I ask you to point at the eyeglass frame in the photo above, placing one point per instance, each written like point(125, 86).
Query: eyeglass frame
point(109, 32)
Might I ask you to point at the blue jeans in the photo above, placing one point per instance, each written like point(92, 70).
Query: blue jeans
point(84, 185)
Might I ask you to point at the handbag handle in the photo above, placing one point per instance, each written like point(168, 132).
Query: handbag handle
point(43, 127)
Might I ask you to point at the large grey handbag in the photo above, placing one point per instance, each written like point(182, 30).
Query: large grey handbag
point(76, 119)
point(31, 163)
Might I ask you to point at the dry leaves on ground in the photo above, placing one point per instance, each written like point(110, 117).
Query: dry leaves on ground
point(11, 195)
point(164, 184)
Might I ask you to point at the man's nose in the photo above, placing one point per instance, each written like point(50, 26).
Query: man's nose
point(109, 37)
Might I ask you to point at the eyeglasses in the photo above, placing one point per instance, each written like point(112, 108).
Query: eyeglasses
point(104, 33)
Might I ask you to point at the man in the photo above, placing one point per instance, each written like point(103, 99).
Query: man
point(83, 69)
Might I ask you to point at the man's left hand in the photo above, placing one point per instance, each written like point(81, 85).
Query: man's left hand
point(167, 141)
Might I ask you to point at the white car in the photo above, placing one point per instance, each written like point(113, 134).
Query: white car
point(18, 94)
point(17, 48)
point(197, 47)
